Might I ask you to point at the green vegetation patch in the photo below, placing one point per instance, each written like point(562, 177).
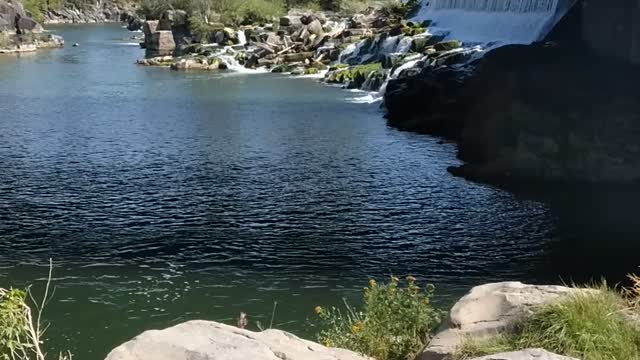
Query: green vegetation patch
point(587, 326)
point(358, 73)
point(13, 324)
point(395, 322)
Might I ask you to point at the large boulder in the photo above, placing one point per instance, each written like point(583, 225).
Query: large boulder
point(210, 340)
point(488, 310)
point(149, 27)
point(315, 27)
point(28, 25)
point(8, 11)
point(529, 354)
point(161, 41)
point(291, 20)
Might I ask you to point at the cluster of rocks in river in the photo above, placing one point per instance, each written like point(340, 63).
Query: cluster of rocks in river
point(21, 33)
point(486, 311)
point(359, 51)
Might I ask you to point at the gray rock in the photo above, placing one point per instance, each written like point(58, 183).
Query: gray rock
point(149, 27)
point(161, 41)
point(28, 25)
point(315, 27)
point(290, 20)
point(529, 354)
point(488, 310)
point(209, 340)
point(5, 25)
point(359, 21)
point(8, 11)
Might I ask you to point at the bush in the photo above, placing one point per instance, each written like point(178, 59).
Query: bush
point(13, 324)
point(260, 11)
point(231, 11)
point(20, 330)
point(395, 322)
point(588, 326)
point(35, 7)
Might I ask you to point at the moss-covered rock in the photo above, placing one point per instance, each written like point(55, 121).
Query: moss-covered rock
point(311, 71)
point(354, 76)
point(448, 45)
point(282, 68)
point(419, 43)
point(338, 67)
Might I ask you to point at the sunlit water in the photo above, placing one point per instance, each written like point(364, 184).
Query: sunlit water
point(166, 196)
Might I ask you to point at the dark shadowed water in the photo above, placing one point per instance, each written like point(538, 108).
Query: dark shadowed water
point(165, 196)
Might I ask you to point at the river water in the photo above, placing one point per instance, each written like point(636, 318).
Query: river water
point(165, 196)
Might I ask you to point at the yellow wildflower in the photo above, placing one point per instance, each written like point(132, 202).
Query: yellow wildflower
point(318, 310)
point(357, 327)
point(372, 283)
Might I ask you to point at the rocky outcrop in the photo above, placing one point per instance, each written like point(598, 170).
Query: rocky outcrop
point(519, 113)
point(488, 310)
point(20, 33)
point(89, 12)
point(529, 354)
point(210, 340)
point(8, 12)
point(529, 121)
point(305, 44)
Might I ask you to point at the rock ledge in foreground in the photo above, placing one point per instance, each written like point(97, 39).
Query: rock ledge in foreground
point(491, 309)
point(529, 354)
point(206, 340)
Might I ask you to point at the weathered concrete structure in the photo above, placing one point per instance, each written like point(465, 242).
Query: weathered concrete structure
point(612, 28)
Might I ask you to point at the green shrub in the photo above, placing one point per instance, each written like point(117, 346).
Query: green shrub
point(261, 11)
point(13, 324)
point(400, 9)
point(395, 322)
point(35, 7)
point(588, 326)
point(21, 330)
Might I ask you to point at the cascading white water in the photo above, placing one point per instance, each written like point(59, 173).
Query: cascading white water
point(404, 45)
point(494, 21)
point(364, 50)
point(389, 45)
point(242, 37)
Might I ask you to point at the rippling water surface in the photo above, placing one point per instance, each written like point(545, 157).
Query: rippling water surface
point(165, 196)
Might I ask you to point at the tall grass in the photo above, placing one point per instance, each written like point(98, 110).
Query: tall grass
point(586, 325)
point(21, 324)
point(394, 323)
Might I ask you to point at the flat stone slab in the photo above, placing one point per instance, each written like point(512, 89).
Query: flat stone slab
point(207, 340)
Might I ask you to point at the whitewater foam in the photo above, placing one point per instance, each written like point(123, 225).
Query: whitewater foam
point(494, 21)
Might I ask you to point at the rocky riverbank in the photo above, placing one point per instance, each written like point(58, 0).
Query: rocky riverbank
point(360, 51)
point(102, 11)
point(486, 311)
point(20, 33)
point(517, 111)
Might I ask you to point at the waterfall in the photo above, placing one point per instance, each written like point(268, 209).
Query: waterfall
point(494, 21)
point(367, 49)
point(404, 45)
point(389, 45)
point(242, 37)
